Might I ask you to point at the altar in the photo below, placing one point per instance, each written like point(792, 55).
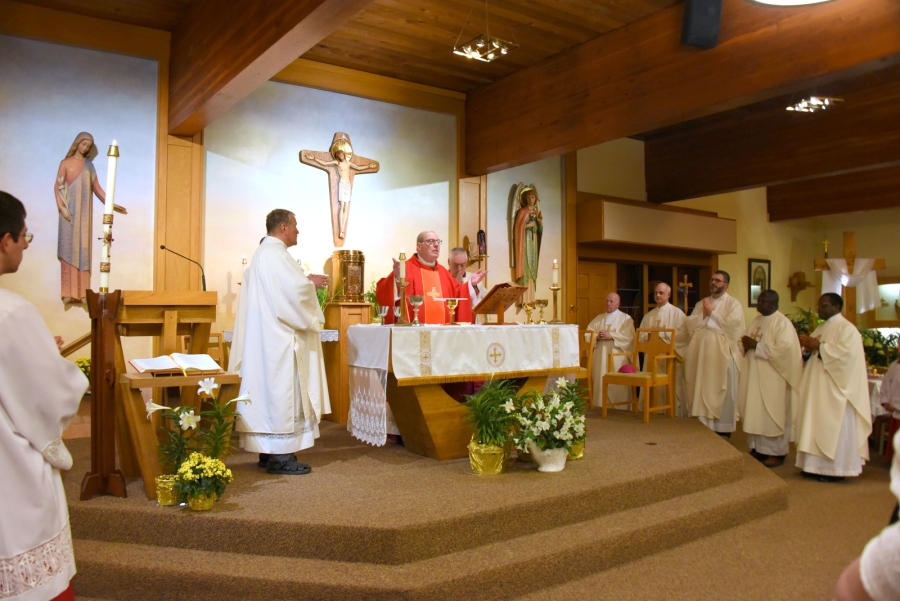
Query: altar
point(396, 373)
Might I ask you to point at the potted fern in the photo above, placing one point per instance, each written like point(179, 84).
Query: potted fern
point(491, 414)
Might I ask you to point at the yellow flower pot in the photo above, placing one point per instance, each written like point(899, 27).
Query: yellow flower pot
point(488, 459)
point(577, 451)
point(201, 502)
point(165, 490)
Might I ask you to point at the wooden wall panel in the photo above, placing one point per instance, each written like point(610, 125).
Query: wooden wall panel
point(859, 191)
point(765, 145)
point(226, 49)
point(639, 78)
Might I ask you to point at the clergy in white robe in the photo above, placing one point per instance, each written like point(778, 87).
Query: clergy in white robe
point(833, 418)
point(769, 378)
point(39, 395)
point(667, 315)
point(457, 262)
point(614, 334)
point(713, 333)
point(278, 352)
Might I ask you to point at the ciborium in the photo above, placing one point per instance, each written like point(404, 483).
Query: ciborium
point(529, 308)
point(541, 304)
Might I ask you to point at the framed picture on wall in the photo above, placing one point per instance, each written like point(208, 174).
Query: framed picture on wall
point(759, 278)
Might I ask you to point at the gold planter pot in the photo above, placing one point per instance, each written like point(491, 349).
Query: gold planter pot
point(201, 502)
point(488, 459)
point(165, 490)
point(576, 451)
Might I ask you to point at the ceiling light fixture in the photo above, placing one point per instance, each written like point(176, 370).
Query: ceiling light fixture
point(484, 47)
point(813, 104)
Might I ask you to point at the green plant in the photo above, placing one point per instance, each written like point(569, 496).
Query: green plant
point(199, 474)
point(805, 321)
point(880, 350)
point(554, 421)
point(491, 412)
point(324, 299)
point(370, 297)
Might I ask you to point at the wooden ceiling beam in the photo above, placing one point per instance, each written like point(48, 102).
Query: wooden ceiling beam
point(859, 191)
point(225, 49)
point(768, 145)
point(640, 78)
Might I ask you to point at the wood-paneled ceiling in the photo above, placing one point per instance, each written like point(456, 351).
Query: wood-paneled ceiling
point(413, 40)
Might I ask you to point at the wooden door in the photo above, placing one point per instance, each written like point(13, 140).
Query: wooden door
point(594, 281)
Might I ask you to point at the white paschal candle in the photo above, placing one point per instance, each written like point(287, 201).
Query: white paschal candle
point(113, 159)
point(555, 273)
point(402, 264)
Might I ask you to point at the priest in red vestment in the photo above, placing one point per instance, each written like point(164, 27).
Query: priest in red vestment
point(431, 280)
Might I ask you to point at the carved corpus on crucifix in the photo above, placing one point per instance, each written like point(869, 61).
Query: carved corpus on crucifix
point(849, 293)
point(686, 286)
point(342, 166)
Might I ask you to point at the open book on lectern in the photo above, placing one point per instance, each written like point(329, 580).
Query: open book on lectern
point(498, 299)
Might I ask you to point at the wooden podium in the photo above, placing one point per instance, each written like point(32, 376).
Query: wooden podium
point(498, 299)
point(340, 316)
point(165, 315)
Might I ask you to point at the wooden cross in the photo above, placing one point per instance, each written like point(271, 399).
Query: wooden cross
point(849, 294)
point(684, 285)
point(342, 165)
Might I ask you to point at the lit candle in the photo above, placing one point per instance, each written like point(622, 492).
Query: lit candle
point(402, 264)
point(113, 159)
point(555, 273)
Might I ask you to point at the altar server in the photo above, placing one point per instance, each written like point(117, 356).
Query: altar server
point(39, 395)
point(667, 315)
point(834, 415)
point(713, 333)
point(278, 352)
point(769, 378)
point(614, 334)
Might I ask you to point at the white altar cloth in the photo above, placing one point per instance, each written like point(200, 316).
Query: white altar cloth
point(442, 351)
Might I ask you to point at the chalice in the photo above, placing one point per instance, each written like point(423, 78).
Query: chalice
point(416, 301)
point(529, 307)
point(382, 313)
point(396, 314)
point(541, 303)
point(451, 304)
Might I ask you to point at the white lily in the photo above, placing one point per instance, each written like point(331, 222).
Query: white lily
point(150, 406)
point(561, 383)
point(509, 406)
point(188, 420)
point(208, 385)
point(244, 398)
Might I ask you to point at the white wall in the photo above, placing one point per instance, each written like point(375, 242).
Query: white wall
point(546, 175)
point(614, 168)
point(48, 94)
point(252, 167)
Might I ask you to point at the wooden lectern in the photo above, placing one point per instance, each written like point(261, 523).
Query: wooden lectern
point(498, 299)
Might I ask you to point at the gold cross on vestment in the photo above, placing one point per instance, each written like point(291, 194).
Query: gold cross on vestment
point(434, 293)
point(756, 334)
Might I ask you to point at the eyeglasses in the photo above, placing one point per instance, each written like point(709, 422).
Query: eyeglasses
point(433, 242)
point(29, 237)
point(716, 281)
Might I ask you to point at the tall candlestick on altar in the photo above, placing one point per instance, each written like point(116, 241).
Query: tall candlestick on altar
point(402, 260)
point(113, 155)
point(555, 272)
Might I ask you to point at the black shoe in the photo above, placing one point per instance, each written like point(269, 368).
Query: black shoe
point(287, 465)
point(724, 434)
point(822, 477)
point(263, 460)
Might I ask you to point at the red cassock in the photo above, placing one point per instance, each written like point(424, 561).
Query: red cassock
point(432, 283)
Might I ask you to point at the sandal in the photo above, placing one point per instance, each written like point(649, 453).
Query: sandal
point(291, 467)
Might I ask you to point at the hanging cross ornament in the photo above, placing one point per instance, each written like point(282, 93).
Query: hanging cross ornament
point(685, 285)
point(342, 165)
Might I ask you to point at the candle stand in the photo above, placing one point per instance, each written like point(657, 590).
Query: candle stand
point(555, 319)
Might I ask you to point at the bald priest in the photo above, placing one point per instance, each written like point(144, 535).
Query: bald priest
point(429, 279)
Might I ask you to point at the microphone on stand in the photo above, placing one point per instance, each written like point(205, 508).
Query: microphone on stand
point(202, 275)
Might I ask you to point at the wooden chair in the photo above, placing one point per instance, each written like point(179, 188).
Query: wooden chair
point(586, 342)
point(655, 350)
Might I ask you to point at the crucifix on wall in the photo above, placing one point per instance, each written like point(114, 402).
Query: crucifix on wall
point(342, 166)
point(847, 272)
point(686, 286)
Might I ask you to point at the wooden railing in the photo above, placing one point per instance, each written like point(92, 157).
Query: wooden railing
point(75, 345)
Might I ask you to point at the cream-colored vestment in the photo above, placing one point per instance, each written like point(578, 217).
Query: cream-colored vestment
point(278, 353)
point(710, 362)
point(621, 327)
point(833, 417)
point(670, 316)
point(769, 378)
point(39, 395)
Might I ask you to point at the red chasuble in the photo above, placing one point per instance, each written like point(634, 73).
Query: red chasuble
point(432, 283)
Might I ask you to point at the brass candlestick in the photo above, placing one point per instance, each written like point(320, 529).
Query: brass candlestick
point(555, 290)
point(401, 319)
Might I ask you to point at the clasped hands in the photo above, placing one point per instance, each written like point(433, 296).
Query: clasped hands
point(748, 343)
point(809, 343)
point(319, 280)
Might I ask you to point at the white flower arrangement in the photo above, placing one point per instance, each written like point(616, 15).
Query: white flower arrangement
point(554, 421)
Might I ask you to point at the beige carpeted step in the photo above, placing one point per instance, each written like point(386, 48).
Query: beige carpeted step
point(499, 569)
